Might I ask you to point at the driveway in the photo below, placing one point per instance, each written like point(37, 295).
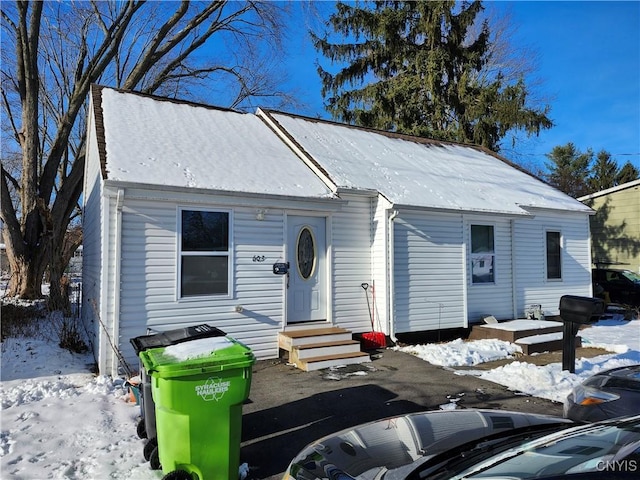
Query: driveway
point(289, 408)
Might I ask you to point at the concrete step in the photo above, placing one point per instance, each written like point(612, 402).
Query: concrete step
point(303, 352)
point(327, 361)
point(548, 342)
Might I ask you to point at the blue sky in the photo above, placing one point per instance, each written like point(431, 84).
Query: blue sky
point(588, 60)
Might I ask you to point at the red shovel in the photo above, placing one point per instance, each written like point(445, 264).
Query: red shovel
point(372, 340)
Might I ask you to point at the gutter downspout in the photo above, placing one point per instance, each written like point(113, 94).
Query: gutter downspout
point(391, 263)
point(590, 253)
point(514, 276)
point(115, 325)
point(103, 290)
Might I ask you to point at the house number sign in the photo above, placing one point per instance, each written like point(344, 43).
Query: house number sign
point(259, 258)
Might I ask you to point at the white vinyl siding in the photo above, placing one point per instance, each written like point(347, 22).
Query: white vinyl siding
point(380, 255)
point(149, 278)
point(351, 264)
point(531, 283)
point(429, 272)
point(98, 297)
point(92, 229)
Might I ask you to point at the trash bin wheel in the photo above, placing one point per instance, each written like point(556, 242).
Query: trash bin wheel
point(154, 460)
point(141, 429)
point(148, 448)
point(178, 475)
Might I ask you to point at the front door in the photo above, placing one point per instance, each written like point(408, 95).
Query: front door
point(307, 282)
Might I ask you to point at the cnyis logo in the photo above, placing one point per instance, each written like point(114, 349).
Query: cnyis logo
point(213, 389)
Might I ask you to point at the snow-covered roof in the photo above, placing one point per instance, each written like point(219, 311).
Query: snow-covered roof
point(159, 141)
point(178, 144)
point(410, 171)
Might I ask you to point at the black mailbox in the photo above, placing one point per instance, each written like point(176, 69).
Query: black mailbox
point(281, 268)
point(582, 310)
point(576, 311)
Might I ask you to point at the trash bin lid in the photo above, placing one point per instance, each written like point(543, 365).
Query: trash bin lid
point(173, 337)
point(203, 355)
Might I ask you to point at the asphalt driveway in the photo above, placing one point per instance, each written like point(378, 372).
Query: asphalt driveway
point(289, 408)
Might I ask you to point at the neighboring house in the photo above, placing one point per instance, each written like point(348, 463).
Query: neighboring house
point(75, 262)
point(254, 223)
point(615, 228)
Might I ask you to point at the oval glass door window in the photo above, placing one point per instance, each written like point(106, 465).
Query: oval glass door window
point(306, 253)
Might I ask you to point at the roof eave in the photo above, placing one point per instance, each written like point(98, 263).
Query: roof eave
point(460, 210)
point(617, 188)
point(109, 183)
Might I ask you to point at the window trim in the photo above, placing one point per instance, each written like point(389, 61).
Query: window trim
point(315, 253)
point(473, 255)
point(180, 254)
point(547, 231)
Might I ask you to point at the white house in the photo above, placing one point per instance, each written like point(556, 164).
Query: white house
point(192, 215)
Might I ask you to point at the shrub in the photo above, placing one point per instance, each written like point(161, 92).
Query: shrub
point(68, 333)
point(20, 320)
point(34, 320)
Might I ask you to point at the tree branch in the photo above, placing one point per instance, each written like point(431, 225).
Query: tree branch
point(11, 225)
point(96, 66)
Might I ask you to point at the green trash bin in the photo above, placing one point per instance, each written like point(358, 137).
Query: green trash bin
point(198, 388)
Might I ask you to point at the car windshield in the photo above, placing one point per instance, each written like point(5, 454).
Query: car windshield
point(594, 448)
point(634, 277)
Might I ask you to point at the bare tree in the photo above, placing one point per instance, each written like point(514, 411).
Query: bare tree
point(51, 54)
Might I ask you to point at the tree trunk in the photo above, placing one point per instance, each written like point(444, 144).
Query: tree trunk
point(27, 270)
point(38, 201)
point(28, 267)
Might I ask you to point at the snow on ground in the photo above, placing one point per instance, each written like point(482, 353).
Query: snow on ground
point(61, 422)
point(619, 340)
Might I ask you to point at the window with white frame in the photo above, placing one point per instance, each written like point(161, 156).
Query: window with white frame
point(482, 254)
point(554, 255)
point(204, 253)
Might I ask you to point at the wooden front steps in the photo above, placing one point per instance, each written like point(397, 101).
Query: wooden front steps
point(549, 342)
point(316, 348)
point(533, 336)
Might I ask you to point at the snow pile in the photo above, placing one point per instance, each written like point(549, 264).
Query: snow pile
point(550, 381)
point(460, 353)
point(195, 349)
point(61, 421)
point(615, 335)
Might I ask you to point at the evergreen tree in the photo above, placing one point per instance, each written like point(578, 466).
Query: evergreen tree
point(603, 173)
point(569, 169)
point(628, 173)
point(416, 68)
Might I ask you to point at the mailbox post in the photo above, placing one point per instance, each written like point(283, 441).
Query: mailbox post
point(576, 311)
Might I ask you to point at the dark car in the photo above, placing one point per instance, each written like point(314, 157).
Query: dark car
point(622, 286)
point(609, 394)
point(474, 444)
